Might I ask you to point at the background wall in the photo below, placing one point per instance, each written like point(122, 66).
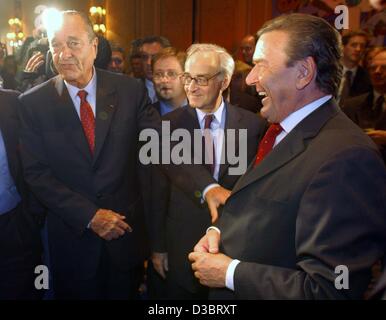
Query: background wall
point(223, 22)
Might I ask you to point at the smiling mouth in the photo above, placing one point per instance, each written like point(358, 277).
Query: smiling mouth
point(263, 94)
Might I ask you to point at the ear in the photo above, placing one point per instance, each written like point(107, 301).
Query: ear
point(95, 42)
point(306, 72)
point(225, 83)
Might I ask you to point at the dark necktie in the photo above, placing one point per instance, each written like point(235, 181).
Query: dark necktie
point(378, 107)
point(87, 119)
point(210, 158)
point(346, 87)
point(266, 144)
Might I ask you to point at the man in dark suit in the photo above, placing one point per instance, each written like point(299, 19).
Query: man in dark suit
point(79, 148)
point(167, 67)
point(308, 220)
point(369, 110)
point(355, 80)
point(20, 247)
point(208, 72)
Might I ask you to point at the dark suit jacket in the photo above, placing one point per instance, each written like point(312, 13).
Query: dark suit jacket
point(178, 222)
point(361, 110)
point(315, 202)
point(73, 184)
point(20, 247)
point(361, 83)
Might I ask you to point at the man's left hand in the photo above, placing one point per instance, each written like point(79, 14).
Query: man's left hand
point(210, 269)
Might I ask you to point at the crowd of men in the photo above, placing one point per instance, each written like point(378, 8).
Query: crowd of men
point(307, 110)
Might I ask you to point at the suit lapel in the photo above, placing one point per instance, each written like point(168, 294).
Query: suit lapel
point(289, 148)
point(106, 104)
point(68, 119)
point(232, 121)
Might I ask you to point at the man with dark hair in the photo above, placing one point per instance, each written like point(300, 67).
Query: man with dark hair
point(79, 143)
point(20, 216)
point(369, 110)
point(117, 63)
point(247, 47)
point(149, 47)
point(313, 201)
point(355, 79)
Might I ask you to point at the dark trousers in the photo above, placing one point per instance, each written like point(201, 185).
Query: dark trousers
point(18, 259)
point(109, 283)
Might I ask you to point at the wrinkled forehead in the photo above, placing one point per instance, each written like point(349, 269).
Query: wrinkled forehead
point(203, 62)
point(273, 43)
point(379, 59)
point(72, 26)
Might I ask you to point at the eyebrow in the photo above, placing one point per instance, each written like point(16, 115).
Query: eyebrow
point(73, 38)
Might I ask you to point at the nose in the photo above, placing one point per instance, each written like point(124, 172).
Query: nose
point(253, 78)
point(192, 86)
point(65, 52)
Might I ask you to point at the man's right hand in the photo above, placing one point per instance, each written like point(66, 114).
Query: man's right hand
point(209, 243)
point(34, 62)
point(215, 197)
point(109, 225)
point(160, 263)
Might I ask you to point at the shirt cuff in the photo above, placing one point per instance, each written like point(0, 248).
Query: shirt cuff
point(211, 186)
point(230, 274)
point(213, 228)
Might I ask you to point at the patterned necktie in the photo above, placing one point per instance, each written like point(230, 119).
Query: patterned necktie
point(266, 144)
point(210, 158)
point(87, 119)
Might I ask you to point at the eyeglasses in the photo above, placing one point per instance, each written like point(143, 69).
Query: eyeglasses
point(170, 75)
point(200, 80)
point(116, 60)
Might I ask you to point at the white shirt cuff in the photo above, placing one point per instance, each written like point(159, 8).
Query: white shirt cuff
point(213, 228)
point(211, 186)
point(230, 274)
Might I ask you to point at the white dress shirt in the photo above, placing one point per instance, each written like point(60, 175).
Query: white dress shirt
point(288, 124)
point(91, 93)
point(217, 131)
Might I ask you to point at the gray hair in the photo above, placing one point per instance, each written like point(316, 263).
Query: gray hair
point(227, 64)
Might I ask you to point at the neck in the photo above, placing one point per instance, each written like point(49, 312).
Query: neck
point(82, 83)
point(213, 109)
point(349, 64)
point(176, 102)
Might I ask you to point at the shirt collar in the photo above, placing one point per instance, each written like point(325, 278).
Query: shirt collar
point(289, 123)
point(90, 88)
point(353, 71)
point(217, 115)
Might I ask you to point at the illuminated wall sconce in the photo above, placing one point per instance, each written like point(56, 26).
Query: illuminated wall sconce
point(98, 18)
point(16, 36)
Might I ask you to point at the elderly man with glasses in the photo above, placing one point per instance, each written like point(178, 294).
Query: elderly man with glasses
point(177, 221)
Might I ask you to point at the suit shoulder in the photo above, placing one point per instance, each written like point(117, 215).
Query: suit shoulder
point(120, 80)
point(249, 118)
point(39, 90)
point(176, 114)
point(8, 94)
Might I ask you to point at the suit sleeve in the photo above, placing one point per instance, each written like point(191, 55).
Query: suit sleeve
point(75, 210)
point(341, 221)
